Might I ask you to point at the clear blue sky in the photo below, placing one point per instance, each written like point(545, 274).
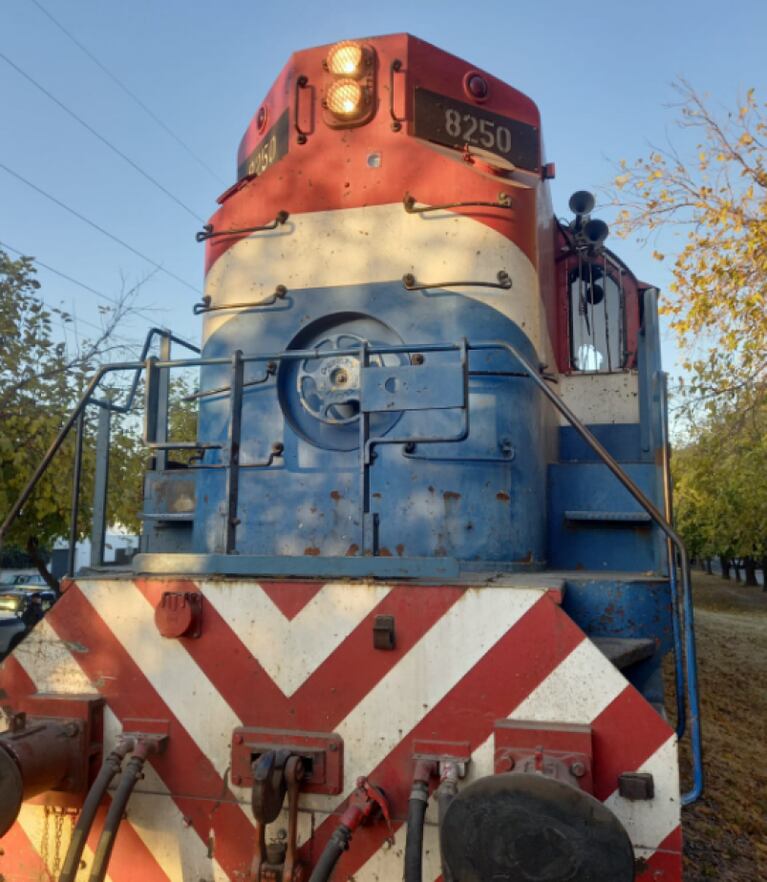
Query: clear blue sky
point(600, 72)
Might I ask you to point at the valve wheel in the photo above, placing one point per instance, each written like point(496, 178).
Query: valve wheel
point(329, 387)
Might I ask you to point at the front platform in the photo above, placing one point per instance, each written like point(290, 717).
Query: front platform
point(464, 662)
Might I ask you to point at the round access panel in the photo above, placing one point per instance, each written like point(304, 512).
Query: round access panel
point(531, 828)
point(320, 394)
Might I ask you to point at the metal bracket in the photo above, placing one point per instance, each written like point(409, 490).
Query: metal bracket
point(410, 283)
point(209, 232)
point(323, 755)
point(409, 202)
point(204, 306)
point(559, 750)
point(412, 387)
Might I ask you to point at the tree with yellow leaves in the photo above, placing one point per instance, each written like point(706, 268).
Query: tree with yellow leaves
point(718, 299)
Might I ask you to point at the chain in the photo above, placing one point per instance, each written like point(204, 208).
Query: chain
point(44, 839)
point(59, 816)
point(57, 833)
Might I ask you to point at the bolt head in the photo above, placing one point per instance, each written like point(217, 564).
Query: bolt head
point(578, 769)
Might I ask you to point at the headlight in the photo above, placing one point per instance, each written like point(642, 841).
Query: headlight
point(345, 99)
point(346, 59)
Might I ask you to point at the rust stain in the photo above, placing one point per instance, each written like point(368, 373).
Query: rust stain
point(352, 550)
point(450, 494)
point(312, 550)
point(502, 497)
point(384, 552)
point(376, 495)
point(528, 558)
point(400, 549)
point(335, 495)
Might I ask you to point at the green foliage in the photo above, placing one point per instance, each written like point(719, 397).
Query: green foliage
point(715, 200)
point(719, 481)
point(41, 379)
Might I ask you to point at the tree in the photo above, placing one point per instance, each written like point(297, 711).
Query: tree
point(720, 490)
point(41, 378)
point(718, 298)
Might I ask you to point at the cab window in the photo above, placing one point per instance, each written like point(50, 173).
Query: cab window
point(596, 317)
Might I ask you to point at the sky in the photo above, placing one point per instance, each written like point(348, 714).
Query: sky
point(601, 74)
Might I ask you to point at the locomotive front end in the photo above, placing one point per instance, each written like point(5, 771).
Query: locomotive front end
point(391, 614)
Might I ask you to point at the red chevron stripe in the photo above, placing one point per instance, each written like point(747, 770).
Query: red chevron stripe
point(131, 859)
point(528, 652)
point(15, 681)
point(290, 597)
point(340, 682)
point(19, 859)
point(130, 694)
point(665, 865)
point(628, 715)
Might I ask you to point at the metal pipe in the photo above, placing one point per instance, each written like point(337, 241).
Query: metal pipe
point(681, 711)
point(108, 770)
point(75, 508)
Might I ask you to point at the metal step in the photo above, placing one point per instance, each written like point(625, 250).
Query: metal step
point(625, 651)
point(615, 517)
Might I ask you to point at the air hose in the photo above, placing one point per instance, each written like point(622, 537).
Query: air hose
point(416, 813)
point(108, 770)
point(337, 845)
point(123, 793)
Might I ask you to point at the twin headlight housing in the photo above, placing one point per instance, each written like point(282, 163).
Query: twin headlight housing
point(349, 84)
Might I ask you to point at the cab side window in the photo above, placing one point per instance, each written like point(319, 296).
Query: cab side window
point(596, 318)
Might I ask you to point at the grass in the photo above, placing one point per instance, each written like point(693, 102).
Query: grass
point(726, 830)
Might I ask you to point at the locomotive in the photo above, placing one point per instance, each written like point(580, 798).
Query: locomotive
point(402, 605)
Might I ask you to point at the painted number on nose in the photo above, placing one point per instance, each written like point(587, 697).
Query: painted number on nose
point(483, 132)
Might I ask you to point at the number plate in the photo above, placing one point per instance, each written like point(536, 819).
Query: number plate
point(272, 147)
point(455, 124)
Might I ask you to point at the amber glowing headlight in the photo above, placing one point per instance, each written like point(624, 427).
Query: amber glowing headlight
point(346, 59)
point(345, 99)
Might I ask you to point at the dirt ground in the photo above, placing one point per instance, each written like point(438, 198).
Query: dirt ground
point(726, 830)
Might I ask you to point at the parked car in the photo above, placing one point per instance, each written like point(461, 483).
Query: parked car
point(24, 580)
point(20, 610)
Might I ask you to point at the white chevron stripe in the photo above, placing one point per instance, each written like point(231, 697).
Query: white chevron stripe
point(649, 822)
point(174, 675)
point(381, 866)
point(50, 664)
point(576, 691)
point(290, 651)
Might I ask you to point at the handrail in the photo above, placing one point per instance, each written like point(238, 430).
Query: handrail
point(85, 399)
point(660, 519)
point(691, 664)
point(153, 332)
point(681, 721)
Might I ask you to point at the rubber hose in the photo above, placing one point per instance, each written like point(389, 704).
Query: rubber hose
point(114, 816)
point(416, 813)
point(108, 770)
point(337, 845)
